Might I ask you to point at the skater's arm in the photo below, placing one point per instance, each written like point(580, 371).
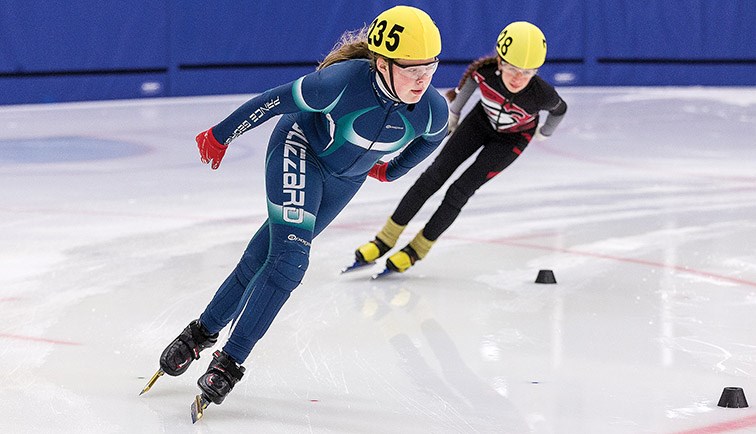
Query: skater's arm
point(425, 144)
point(318, 91)
point(557, 108)
point(463, 94)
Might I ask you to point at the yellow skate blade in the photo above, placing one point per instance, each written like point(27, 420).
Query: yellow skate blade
point(152, 381)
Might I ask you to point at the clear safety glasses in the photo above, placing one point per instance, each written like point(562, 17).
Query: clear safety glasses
point(416, 72)
point(513, 70)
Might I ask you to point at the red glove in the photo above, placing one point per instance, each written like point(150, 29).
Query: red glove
point(378, 171)
point(210, 149)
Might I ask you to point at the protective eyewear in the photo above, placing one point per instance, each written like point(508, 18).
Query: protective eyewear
point(416, 72)
point(513, 70)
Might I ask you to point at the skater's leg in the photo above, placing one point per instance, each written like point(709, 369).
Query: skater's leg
point(221, 309)
point(492, 159)
point(287, 261)
point(458, 148)
point(298, 209)
point(203, 333)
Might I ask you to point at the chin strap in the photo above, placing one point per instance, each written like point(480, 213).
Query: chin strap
point(389, 88)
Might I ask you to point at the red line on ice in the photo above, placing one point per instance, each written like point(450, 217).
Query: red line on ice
point(679, 268)
point(724, 426)
point(35, 339)
point(511, 242)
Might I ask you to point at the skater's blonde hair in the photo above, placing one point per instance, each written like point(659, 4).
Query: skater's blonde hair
point(351, 45)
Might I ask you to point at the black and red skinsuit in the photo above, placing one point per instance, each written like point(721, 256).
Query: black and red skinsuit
point(501, 123)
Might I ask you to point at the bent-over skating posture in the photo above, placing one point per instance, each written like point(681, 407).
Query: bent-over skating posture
point(371, 96)
point(502, 123)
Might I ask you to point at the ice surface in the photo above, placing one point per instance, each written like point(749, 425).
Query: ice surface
point(114, 237)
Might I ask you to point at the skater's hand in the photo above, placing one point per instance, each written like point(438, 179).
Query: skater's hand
point(210, 149)
point(539, 136)
point(378, 171)
point(453, 122)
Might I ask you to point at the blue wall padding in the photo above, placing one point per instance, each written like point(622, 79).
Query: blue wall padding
point(45, 36)
point(704, 30)
point(90, 49)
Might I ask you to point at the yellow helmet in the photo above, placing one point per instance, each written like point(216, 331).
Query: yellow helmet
point(522, 44)
point(404, 32)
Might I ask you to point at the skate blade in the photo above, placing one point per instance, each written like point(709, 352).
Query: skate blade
point(152, 381)
point(384, 273)
point(198, 407)
point(357, 266)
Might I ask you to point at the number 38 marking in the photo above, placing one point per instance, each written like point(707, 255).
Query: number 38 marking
point(376, 35)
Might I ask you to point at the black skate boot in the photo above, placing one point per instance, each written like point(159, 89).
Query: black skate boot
point(186, 348)
point(221, 376)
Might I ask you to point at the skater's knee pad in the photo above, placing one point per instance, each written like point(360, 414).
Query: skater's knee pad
point(430, 181)
point(247, 267)
point(289, 268)
point(457, 197)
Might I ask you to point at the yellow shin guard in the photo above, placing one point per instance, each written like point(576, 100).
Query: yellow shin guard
point(390, 232)
point(421, 245)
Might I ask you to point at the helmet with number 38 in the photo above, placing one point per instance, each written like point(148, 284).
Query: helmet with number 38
point(404, 32)
point(522, 44)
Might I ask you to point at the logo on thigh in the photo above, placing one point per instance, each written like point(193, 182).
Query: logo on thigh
point(294, 175)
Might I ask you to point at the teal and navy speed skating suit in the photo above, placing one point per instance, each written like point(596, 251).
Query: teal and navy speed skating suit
point(337, 123)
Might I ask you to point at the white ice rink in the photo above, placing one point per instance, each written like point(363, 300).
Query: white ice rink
point(115, 236)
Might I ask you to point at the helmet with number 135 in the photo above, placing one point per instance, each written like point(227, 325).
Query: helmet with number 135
point(409, 35)
point(404, 32)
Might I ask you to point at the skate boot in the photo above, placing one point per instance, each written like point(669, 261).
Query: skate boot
point(371, 251)
point(186, 348)
point(402, 260)
point(220, 378)
point(366, 254)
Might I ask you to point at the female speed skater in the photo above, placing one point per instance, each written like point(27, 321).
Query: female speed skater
point(502, 123)
point(371, 96)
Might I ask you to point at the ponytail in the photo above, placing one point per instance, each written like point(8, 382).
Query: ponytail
point(483, 61)
point(351, 45)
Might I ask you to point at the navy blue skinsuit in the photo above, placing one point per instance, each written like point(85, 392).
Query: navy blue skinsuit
point(336, 125)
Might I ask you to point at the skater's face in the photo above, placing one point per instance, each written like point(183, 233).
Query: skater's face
point(514, 78)
point(411, 77)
